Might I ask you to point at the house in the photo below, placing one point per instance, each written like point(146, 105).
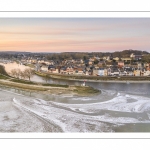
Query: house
point(122, 73)
point(44, 68)
point(63, 70)
point(108, 71)
point(114, 70)
point(128, 71)
point(47, 62)
point(116, 58)
point(53, 69)
point(79, 71)
point(87, 73)
point(102, 72)
point(40, 61)
point(147, 66)
point(136, 57)
point(92, 59)
point(109, 64)
point(95, 72)
point(38, 67)
point(137, 72)
point(105, 72)
point(132, 55)
point(146, 73)
point(139, 66)
point(81, 61)
point(91, 62)
point(126, 60)
point(134, 65)
point(101, 64)
point(86, 62)
point(107, 58)
point(70, 70)
point(96, 58)
point(90, 72)
point(34, 61)
point(120, 64)
point(28, 60)
point(23, 61)
point(104, 58)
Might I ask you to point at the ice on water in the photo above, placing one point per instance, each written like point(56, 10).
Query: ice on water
point(19, 113)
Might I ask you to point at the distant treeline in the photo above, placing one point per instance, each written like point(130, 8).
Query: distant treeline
point(71, 55)
point(84, 56)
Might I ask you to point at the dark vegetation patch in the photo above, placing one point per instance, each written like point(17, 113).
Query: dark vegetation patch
point(85, 89)
point(23, 81)
point(2, 71)
point(56, 85)
point(3, 77)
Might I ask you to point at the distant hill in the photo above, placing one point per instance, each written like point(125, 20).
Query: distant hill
point(71, 55)
point(127, 53)
point(87, 55)
point(13, 52)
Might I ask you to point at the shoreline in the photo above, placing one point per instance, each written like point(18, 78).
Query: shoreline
point(99, 79)
point(136, 79)
point(50, 88)
point(109, 80)
point(74, 90)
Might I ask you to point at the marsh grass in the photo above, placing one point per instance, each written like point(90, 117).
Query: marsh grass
point(3, 77)
point(56, 85)
point(23, 81)
point(34, 83)
point(83, 90)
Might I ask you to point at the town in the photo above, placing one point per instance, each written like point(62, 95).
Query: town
point(124, 63)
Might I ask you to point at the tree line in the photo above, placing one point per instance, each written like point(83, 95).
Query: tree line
point(86, 55)
point(25, 74)
point(71, 55)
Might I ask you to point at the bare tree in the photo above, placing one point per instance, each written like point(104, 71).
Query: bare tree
point(13, 72)
point(16, 73)
point(46, 78)
point(28, 73)
point(22, 75)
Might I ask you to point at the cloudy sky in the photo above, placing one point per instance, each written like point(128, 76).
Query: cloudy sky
point(74, 34)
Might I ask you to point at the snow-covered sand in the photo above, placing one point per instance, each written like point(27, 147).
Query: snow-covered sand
point(19, 113)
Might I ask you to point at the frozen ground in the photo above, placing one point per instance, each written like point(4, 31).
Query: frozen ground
point(101, 113)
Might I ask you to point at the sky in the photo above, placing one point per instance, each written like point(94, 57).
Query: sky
point(74, 34)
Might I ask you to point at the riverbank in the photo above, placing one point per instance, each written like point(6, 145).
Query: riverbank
point(122, 79)
point(74, 90)
point(44, 87)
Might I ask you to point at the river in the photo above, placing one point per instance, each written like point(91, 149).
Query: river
point(121, 107)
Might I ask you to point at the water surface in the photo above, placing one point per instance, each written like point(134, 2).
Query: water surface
point(121, 107)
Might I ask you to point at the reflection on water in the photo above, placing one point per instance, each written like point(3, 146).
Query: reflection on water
point(133, 88)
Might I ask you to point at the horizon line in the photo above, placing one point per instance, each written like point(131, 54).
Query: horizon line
point(74, 51)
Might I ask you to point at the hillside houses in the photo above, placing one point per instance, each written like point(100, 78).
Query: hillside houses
point(129, 65)
point(103, 68)
point(136, 57)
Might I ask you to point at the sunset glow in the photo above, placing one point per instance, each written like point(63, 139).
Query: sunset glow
point(74, 34)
